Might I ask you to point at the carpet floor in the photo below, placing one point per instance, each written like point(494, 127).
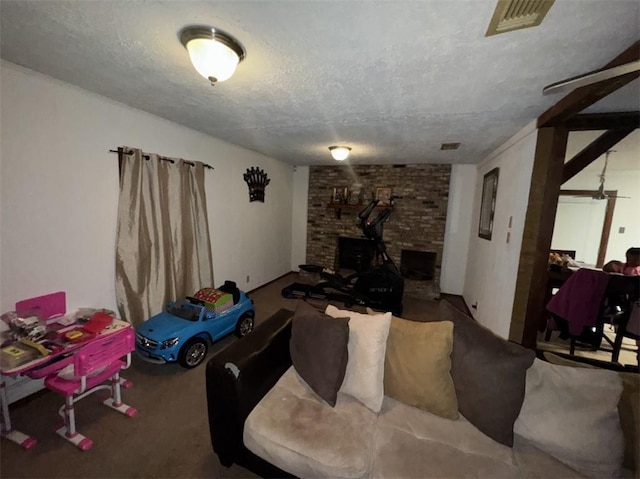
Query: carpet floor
point(628, 352)
point(169, 438)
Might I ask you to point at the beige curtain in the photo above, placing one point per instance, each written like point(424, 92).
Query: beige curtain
point(163, 249)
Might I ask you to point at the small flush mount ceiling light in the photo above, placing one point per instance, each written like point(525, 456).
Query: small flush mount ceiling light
point(339, 153)
point(215, 54)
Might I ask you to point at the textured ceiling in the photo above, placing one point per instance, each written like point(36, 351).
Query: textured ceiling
point(391, 79)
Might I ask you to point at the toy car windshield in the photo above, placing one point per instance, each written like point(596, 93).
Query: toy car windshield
point(185, 310)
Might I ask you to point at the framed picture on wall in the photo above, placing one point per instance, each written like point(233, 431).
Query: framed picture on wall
point(488, 205)
point(383, 195)
point(340, 195)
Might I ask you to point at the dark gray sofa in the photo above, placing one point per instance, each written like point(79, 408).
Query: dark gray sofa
point(237, 379)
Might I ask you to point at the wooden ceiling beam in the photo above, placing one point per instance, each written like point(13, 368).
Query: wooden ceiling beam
point(585, 96)
point(604, 121)
point(592, 152)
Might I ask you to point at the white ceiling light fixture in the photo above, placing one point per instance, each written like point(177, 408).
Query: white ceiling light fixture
point(214, 53)
point(340, 153)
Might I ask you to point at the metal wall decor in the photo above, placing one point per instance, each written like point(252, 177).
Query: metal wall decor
point(257, 181)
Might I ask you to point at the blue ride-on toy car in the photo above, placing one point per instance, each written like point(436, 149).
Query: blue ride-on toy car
point(184, 331)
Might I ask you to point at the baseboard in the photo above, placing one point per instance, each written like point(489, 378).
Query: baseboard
point(457, 301)
point(270, 282)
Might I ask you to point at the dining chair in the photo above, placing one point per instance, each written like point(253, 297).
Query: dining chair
point(578, 306)
point(621, 306)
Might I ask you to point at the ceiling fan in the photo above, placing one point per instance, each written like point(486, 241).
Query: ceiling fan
point(591, 77)
point(601, 194)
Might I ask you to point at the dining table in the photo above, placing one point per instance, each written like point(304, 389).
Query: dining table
point(585, 300)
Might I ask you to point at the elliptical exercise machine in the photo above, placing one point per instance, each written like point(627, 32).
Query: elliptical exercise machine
point(380, 287)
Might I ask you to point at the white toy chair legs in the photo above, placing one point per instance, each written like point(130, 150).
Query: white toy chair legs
point(67, 412)
point(114, 401)
point(96, 363)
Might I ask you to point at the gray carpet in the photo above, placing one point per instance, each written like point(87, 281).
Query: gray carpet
point(169, 438)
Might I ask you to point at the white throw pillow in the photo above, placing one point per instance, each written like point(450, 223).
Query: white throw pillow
point(572, 414)
point(364, 377)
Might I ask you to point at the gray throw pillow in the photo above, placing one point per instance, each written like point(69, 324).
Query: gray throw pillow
point(489, 375)
point(572, 415)
point(318, 350)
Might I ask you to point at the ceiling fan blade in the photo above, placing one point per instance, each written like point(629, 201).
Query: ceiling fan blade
point(606, 197)
point(591, 77)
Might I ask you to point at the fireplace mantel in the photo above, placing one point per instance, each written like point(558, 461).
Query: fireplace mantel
point(338, 207)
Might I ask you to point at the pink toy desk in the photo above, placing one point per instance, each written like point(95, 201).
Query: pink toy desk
point(47, 307)
point(50, 307)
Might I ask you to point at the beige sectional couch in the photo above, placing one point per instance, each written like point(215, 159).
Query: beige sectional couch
point(291, 429)
point(566, 425)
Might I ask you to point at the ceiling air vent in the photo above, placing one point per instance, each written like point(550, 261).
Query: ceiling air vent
point(516, 14)
point(450, 146)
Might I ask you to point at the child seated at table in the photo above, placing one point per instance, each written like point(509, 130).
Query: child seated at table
point(630, 268)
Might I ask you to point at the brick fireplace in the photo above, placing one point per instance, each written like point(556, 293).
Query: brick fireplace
point(354, 253)
point(417, 223)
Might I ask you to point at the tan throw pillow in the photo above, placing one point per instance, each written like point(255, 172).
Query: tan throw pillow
point(364, 377)
point(572, 414)
point(488, 374)
point(418, 364)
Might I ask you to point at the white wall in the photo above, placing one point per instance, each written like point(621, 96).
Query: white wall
point(626, 211)
point(623, 175)
point(458, 228)
point(299, 223)
point(492, 266)
point(578, 227)
point(59, 193)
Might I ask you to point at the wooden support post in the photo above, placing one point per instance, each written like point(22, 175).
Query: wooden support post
point(528, 307)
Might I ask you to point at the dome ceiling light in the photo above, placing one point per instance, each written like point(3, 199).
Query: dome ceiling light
point(214, 53)
point(339, 153)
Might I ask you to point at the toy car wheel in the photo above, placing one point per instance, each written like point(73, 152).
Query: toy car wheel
point(245, 325)
point(193, 353)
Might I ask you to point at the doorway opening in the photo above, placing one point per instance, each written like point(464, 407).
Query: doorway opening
point(583, 224)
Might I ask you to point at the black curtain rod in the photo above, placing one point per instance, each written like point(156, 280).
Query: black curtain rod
point(146, 157)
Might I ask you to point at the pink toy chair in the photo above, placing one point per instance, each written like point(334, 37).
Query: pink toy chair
point(98, 361)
